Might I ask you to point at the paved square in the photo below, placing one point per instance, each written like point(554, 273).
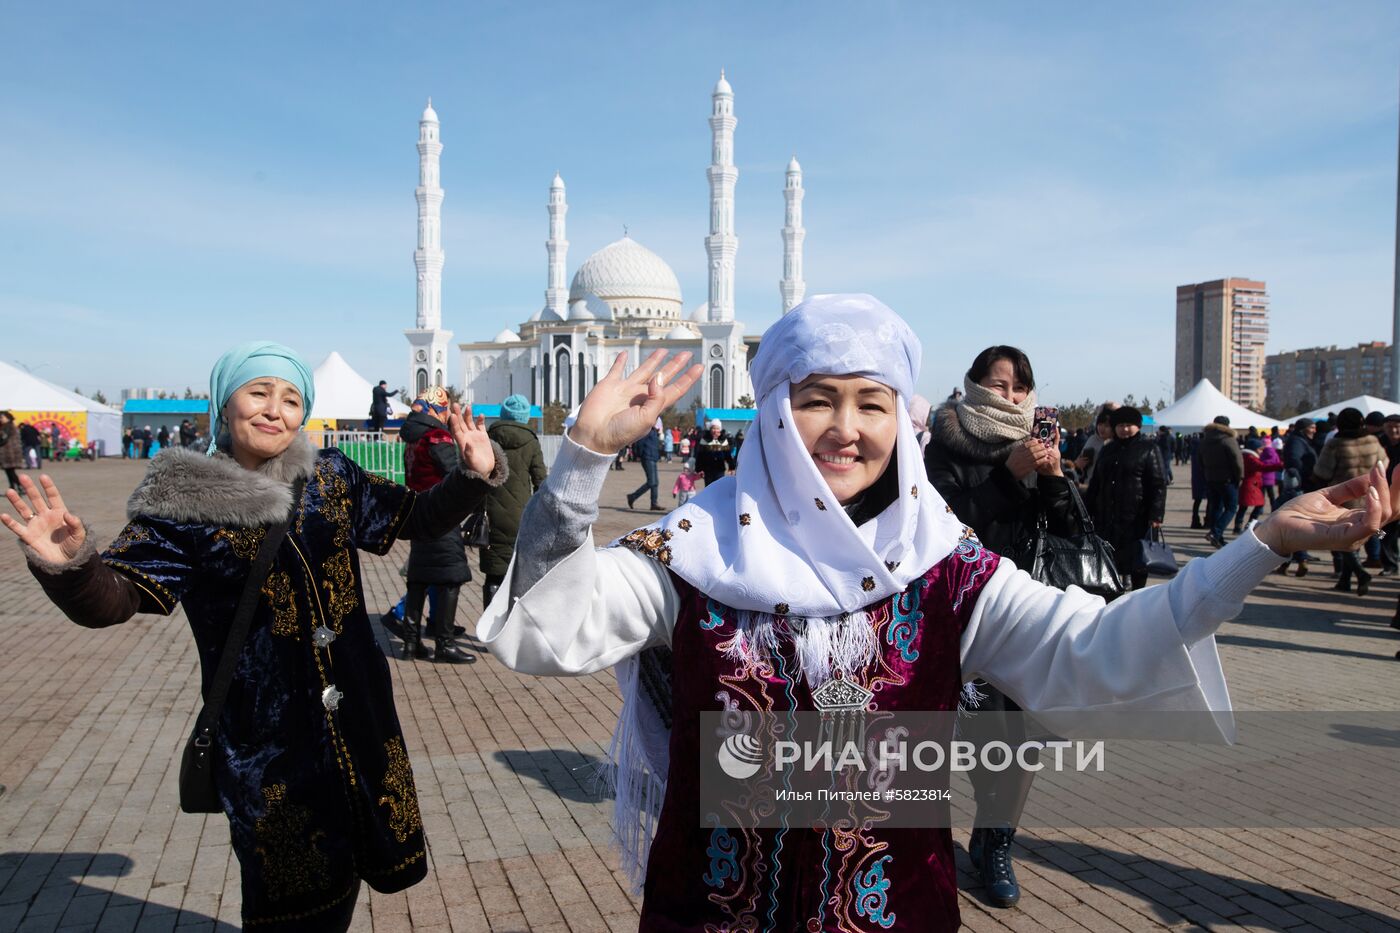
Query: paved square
point(91, 837)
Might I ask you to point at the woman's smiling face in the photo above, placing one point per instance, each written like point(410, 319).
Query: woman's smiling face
point(848, 424)
point(263, 418)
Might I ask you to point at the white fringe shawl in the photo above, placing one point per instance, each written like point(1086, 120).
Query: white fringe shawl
point(639, 755)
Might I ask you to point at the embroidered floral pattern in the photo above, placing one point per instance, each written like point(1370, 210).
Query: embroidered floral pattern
point(292, 862)
point(278, 590)
point(872, 894)
point(399, 793)
point(244, 541)
point(821, 506)
point(867, 584)
point(745, 518)
point(723, 865)
point(781, 609)
point(131, 534)
point(969, 551)
point(714, 616)
point(948, 509)
point(649, 542)
point(339, 583)
point(891, 565)
point(684, 524)
point(335, 502)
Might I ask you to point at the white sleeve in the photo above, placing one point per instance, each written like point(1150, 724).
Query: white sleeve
point(588, 610)
point(1153, 649)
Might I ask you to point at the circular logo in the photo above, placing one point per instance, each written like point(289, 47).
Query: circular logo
point(740, 756)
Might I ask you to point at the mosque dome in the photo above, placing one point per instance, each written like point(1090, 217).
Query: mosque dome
point(723, 86)
point(680, 332)
point(793, 166)
point(624, 270)
point(578, 311)
point(506, 336)
point(429, 114)
point(701, 315)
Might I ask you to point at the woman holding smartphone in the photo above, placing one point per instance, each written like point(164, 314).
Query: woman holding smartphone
point(986, 459)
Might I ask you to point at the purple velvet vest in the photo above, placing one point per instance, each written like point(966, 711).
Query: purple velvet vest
point(803, 879)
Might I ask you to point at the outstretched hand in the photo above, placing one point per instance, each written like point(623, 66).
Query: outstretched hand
point(622, 409)
point(472, 441)
point(1321, 520)
point(44, 524)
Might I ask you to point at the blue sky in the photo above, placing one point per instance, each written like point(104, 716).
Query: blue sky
point(178, 179)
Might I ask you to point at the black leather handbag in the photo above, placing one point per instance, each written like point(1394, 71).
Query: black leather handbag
point(198, 794)
point(1084, 560)
point(476, 530)
point(1155, 555)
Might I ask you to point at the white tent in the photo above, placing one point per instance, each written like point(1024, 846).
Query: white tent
point(1202, 404)
point(344, 395)
point(45, 405)
point(1365, 403)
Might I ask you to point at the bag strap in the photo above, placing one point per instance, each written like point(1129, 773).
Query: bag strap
point(243, 619)
point(1086, 523)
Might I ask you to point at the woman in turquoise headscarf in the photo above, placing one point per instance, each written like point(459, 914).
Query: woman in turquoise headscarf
point(309, 761)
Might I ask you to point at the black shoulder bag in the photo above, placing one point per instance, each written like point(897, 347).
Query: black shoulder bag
point(1084, 560)
point(197, 791)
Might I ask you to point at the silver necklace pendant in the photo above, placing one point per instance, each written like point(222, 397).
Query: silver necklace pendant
point(330, 698)
point(322, 637)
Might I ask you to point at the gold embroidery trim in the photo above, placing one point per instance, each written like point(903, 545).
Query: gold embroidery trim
point(278, 590)
point(339, 584)
point(292, 864)
point(399, 793)
point(244, 541)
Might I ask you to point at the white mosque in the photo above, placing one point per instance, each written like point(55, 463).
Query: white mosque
point(623, 299)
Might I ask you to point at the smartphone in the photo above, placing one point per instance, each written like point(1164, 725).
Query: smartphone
point(1047, 421)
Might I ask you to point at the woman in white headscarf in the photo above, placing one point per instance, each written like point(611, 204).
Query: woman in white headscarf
point(829, 555)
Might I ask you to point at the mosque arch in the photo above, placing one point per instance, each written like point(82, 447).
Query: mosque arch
point(563, 377)
point(422, 380)
point(717, 386)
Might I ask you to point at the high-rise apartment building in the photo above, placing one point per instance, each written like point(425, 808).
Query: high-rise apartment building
point(1221, 327)
point(1301, 380)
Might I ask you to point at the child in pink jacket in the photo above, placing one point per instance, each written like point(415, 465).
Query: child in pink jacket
point(685, 483)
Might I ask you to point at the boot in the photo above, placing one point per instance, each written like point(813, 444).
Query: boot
point(993, 863)
point(413, 647)
point(447, 652)
point(1363, 584)
point(443, 635)
point(1302, 568)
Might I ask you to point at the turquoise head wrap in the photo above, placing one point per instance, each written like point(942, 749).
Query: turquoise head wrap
point(249, 361)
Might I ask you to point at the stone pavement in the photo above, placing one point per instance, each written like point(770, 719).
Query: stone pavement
point(91, 837)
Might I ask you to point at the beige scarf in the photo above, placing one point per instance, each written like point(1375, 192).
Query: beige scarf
point(988, 417)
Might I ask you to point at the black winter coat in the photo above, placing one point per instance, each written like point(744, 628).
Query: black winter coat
point(971, 475)
point(1128, 493)
point(505, 503)
point(429, 455)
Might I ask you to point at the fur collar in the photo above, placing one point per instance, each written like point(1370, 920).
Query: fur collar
point(947, 431)
point(183, 485)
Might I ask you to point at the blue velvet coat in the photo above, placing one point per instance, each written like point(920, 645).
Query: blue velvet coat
point(316, 797)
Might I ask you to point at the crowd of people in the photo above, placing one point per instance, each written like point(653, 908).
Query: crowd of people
point(858, 541)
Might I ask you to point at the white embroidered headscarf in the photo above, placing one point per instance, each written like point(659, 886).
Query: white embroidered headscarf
point(773, 538)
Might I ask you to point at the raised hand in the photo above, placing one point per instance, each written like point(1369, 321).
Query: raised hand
point(472, 441)
point(621, 409)
point(1321, 520)
point(44, 524)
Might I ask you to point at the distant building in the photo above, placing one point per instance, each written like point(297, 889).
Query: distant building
point(1301, 380)
point(145, 393)
point(1221, 327)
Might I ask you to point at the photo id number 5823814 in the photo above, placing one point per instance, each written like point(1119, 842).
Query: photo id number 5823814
point(929, 793)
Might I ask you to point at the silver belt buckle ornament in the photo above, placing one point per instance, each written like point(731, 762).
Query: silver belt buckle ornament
point(331, 697)
point(322, 637)
point(842, 705)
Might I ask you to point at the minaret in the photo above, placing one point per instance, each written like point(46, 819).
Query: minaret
point(792, 285)
point(428, 342)
point(556, 293)
point(721, 244)
point(428, 257)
